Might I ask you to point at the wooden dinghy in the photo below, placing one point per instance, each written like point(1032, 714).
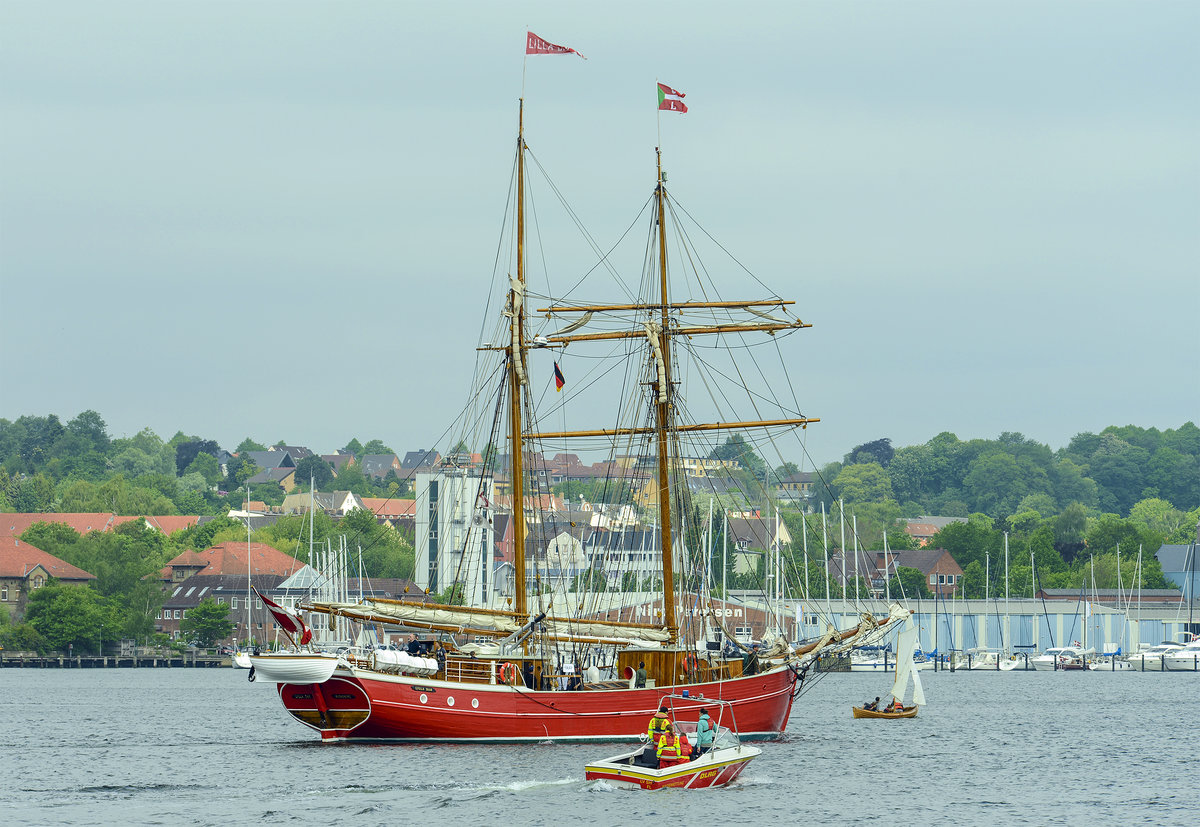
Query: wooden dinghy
point(906, 645)
point(906, 712)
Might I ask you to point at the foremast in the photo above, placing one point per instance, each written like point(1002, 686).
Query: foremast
point(516, 378)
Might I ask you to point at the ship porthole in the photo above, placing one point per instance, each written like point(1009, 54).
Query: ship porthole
point(449, 702)
point(474, 703)
point(424, 698)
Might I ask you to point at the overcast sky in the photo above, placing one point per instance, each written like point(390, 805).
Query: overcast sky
point(271, 219)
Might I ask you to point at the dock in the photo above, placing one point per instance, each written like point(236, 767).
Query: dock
point(165, 660)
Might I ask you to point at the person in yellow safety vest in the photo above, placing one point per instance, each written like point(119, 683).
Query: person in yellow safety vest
point(660, 724)
point(668, 750)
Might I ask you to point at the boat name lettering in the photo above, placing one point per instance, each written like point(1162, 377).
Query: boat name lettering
point(653, 611)
point(343, 696)
point(302, 696)
point(423, 689)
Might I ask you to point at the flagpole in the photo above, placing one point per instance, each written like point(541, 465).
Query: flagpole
point(658, 117)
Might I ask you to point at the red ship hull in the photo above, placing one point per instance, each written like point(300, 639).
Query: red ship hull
point(359, 705)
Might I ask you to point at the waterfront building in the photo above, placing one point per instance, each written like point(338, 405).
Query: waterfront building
point(25, 568)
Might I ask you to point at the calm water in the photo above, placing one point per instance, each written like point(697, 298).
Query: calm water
point(159, 746)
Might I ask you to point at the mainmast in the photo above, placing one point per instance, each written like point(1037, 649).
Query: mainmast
point(662, 413)
point(516, 377)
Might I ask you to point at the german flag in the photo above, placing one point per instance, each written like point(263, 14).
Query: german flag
point(559, 381)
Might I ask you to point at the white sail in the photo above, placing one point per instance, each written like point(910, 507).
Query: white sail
point(906, 647)
point(918, 689)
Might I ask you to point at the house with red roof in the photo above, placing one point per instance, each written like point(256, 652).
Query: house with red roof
point(25, 568)
point(230, 558)
point(14, 525)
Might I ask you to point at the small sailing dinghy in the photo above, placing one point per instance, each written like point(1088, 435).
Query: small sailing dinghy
point(906, 645)
point(716, 767)
point(305, 665)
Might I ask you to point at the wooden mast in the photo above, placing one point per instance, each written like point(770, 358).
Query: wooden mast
point(516, 358)
point(662, 416)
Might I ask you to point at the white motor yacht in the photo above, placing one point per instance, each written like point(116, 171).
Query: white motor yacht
point(1151, 659)
point(1185, 658)
point(1059, 657)
point(978, 658)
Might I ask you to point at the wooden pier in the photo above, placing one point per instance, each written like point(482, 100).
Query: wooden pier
point(166, 660)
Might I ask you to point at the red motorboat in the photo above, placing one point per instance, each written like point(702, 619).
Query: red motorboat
point(716, 767)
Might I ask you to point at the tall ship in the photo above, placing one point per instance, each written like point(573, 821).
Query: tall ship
point(558, 622)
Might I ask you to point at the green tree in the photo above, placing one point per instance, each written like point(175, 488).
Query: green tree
point(910, 583)
point(238, 470)
point(376, 446)
point(315, 469)
point(591, 580)
point(249, 444)
point(737, 449)
point(452, 595)
point(90, 428)
point(1070, 531)
point(1072, 485)
point(1120, 470)
point(69, 616)
point(205, 465)
point(879, 451)
point(1158, 515)
point(186, 452)
point(864, 483)
point(207, 622)
point(972, 586)
point(385, 552)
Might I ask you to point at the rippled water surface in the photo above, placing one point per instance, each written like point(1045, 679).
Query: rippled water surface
point(172, 746)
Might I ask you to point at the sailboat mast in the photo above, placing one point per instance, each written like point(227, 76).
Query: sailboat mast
point(662, 413)
point(515, 358)
point(1007, 630)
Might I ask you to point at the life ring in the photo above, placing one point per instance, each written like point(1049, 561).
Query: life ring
point(690, 662)
point(508, 673)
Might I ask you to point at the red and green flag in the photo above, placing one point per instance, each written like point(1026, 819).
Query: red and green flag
point(671, 99)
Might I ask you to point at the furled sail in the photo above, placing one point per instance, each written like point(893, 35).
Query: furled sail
point(432, 615)
point(491, 622)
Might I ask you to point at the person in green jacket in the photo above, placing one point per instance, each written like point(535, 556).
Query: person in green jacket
point(704, 733)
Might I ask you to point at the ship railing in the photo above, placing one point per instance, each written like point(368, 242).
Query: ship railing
point(470, 670)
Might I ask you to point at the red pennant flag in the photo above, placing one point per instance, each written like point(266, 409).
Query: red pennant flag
point(534, 45)
point(288, 620)
point(670, 99)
